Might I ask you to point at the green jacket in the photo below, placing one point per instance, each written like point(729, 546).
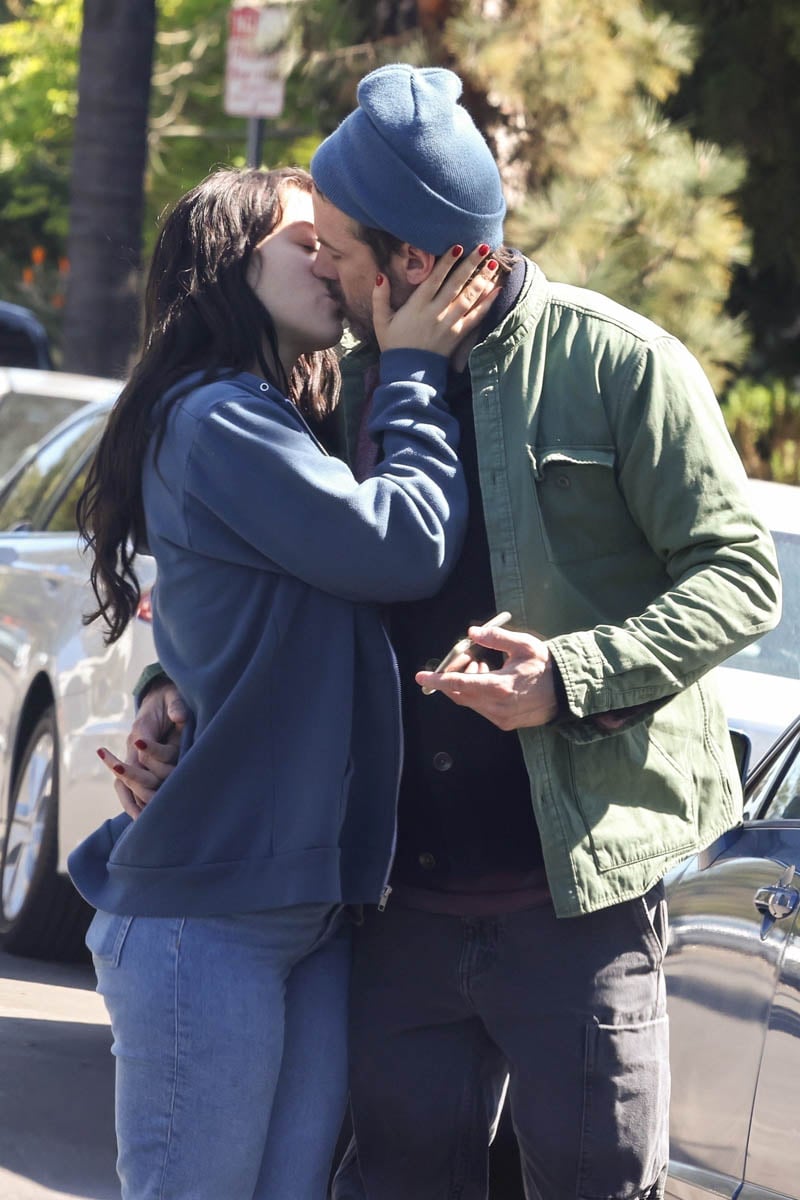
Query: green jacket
point(619, 530)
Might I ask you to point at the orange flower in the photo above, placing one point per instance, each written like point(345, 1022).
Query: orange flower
point(58, 300)
point(27, 276)
point(63, 265)
point(38, 255)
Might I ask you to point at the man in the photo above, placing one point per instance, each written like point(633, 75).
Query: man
point(545, 792)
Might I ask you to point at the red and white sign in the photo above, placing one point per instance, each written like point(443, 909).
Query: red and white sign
point(256, 60)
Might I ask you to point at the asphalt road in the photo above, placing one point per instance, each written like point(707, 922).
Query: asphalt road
point(56, 1084)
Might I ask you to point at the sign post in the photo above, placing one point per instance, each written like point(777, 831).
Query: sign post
point(258, 59)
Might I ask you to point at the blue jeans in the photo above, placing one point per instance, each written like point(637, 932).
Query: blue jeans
point(230, 1037)
point(444, 1009)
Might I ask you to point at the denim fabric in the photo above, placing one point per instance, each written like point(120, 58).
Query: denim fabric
point(443, 1008)
point(230, 1037)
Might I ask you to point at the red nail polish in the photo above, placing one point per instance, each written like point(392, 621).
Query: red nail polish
point(139, 744)
point(457, 251)
point(101, 754)
point(483, 249)
point(492, 265)
point(119, 769)
point(378, 280)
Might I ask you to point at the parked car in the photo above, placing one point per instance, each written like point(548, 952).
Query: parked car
point(63, 692)
point(23, 338)
point(733, 983)
point(34, 402)
point(761, 684)
point(733, 996)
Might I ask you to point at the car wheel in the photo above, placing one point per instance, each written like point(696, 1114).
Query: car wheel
point(41, 914)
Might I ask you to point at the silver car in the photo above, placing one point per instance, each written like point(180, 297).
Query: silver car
point(63, 692)
point(733, 983)
point(733, 997)
point(760, 685)
point(32, 403)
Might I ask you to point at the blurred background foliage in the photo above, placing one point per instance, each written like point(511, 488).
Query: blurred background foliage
point(649, 151)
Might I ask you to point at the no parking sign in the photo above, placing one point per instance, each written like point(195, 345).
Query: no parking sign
point(258, 59)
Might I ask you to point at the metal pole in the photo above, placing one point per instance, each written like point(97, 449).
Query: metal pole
point(255, 138)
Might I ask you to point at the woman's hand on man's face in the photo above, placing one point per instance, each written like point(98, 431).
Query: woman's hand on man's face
point(443, 309)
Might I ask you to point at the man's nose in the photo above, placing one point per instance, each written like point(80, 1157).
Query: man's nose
point(323, 266)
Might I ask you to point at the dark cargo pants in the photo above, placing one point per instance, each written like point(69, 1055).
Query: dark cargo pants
point(443, 1008)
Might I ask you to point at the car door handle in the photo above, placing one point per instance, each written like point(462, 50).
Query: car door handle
point(777, 901)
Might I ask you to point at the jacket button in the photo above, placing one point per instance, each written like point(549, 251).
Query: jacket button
point(563, 481)
point(442, 761)
point(427, 861)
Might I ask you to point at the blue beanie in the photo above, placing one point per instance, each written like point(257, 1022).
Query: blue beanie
point(410, 161)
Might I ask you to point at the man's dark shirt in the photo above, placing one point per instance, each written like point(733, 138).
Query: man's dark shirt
point(467, 838)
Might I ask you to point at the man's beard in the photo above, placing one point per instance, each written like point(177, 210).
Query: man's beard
point(359, 323)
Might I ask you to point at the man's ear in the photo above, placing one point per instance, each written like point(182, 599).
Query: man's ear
point(414, 265)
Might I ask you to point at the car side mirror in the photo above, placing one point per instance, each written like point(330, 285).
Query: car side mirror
point(742, 749)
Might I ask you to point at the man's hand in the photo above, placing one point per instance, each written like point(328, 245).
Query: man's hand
point(517, 695)
point(152, 748)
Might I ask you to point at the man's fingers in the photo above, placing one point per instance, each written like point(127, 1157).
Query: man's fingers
point(476, 666)
point(455, 683)
point(153, 721)
point(494, 637)
point(177, 711)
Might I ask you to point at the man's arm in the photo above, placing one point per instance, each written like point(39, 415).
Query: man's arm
point(684, 487)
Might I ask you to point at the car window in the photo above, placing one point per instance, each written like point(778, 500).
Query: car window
point(776, 792)
point(63, 518)
point(28, 497)
point(25, 419)
point(778, 652)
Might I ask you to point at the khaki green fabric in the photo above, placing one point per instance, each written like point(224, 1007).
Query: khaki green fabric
point(620, 531)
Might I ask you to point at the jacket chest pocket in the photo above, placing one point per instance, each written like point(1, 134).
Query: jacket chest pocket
point(582, 512)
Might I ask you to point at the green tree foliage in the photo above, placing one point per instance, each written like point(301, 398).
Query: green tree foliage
point(744, 92)
point(605, 191)
point(188, 131)
point(764, 420)
point(38, 103)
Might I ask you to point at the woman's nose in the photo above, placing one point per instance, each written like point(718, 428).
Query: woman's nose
point(323, 266)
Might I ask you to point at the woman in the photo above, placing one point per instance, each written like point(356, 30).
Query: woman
point(220, 942)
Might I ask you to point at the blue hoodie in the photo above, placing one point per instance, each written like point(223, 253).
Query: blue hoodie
point(272, 562)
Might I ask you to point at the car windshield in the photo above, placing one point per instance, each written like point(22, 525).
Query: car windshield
point(778, 652)
point(25, 419)
point(28, 497)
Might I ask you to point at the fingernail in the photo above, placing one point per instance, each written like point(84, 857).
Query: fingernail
point(457, 251)
point(101, 754)
point(483, 248)
point(378, 280)
point(119, 769)
point(140, 745)
point(492, 264)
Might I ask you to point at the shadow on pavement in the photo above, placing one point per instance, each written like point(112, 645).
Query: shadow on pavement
point(56, 1084)
point(57, 1107)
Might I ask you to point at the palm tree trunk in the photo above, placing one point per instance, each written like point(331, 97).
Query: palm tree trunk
point(107, 191)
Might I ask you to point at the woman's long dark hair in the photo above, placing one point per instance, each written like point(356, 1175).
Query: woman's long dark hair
point(200, 313)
